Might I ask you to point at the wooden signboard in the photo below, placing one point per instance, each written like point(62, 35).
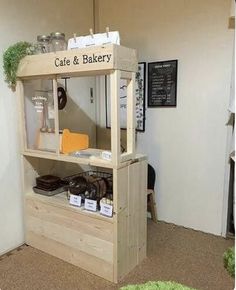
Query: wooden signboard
point(162, 83)
point(83, 61)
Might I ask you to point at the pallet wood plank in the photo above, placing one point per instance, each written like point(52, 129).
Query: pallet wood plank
point(84, 241)
point(83, 61)
point(115, 117)
point(74, 256)
point(122, 244)
point(142, 212)
point(131, 118)
point(71, 220)
point(120, 188)
point(133, 204)
point(88, 244)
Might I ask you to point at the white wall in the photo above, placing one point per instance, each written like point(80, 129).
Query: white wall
point(187, 144)
point(24, 20)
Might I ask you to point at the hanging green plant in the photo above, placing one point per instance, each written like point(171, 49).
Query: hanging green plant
point(11, 60)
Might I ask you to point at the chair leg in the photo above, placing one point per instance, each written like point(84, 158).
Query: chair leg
point(152, 205)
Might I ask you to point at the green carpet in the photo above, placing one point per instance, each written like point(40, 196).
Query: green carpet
point(159, 285)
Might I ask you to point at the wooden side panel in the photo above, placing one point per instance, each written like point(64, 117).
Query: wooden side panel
point(29, 174)
point(142, 211)
point(120, 190)
point(130, 227)
point(120, 193)
point(133, 206)
point(70, 236)
point(122, 246)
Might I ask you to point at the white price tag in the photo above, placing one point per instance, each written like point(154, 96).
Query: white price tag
point(90, 204)
point(75, 200)
point(106, 155)
point(106, 209)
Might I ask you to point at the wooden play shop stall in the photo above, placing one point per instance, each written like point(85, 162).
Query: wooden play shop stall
point(108, 246)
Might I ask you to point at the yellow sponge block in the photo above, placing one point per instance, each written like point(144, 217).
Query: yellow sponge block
point(74, 141)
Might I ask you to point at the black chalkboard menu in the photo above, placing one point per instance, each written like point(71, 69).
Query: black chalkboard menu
point(162, 83)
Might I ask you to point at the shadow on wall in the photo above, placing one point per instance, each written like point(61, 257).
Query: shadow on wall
point(74, 118)
point(104, 138)
point(58, 168)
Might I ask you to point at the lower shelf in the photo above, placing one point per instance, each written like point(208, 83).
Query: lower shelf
point(60, 200)
point(107, 247)
point(83, 239)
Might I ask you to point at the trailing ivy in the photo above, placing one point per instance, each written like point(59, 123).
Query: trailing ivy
point(11, 60)
point(229, 261)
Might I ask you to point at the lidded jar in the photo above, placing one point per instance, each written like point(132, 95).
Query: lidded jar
point(43, 44)
point(58, 41)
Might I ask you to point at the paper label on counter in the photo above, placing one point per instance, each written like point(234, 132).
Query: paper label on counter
point(106, 209)
point(75, 200)
point(90, 204)
point(106, 155)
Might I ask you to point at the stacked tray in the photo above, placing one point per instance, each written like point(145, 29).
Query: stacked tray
point(48, 182)
point(49, 185)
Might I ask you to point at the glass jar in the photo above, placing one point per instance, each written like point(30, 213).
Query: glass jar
point(43, 44)
point(58, 41)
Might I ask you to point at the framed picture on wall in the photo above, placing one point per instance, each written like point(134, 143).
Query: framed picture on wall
point(162, 83)
point(140, 86)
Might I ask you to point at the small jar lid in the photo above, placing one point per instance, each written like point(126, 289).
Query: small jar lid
point(43, 38)
point(57, 35)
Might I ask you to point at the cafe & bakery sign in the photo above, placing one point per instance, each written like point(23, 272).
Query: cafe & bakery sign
point(82, 59)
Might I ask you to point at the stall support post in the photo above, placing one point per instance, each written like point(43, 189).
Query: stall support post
point(131, 103)
point(115, 117)
point(56, 118)
point(21, 106)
